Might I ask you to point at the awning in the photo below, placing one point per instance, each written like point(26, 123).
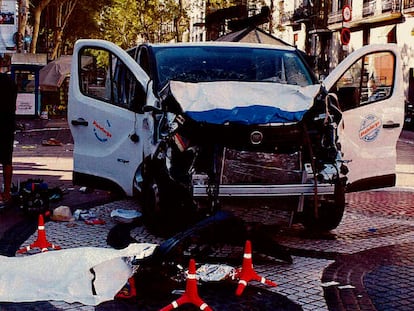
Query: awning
point(53, 74)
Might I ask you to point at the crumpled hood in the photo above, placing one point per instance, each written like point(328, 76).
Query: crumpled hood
point(243, 102)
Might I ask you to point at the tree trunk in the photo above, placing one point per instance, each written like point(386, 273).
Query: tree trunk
point(63, 15)
point(23, 9)
point(272, 9)
point(37, 13)
point(57, 45)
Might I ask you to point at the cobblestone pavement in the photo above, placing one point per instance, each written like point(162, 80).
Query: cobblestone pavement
point(364, 264)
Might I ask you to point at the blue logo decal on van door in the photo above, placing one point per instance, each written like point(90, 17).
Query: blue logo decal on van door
point(370, 128)
point(101, 133)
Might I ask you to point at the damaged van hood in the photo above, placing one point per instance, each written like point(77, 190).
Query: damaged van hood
point(243, 102)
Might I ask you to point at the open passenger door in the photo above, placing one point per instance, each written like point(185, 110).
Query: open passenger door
point(106, 118)
point(369, 87)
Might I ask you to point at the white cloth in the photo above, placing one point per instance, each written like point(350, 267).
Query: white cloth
point(65, 275)
point(230, 94)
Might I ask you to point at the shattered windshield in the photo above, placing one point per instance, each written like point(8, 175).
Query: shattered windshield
point(230, 63)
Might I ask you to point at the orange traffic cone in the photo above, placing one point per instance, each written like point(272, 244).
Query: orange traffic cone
point(247, 273)
point(42, 243)
point(191, 293)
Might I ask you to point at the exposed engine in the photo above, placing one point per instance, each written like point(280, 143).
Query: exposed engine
point(198, 160)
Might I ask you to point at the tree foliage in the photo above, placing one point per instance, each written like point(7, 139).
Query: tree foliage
point(124, 22)
point(58, 23)
point(128, 22)
point(83, 22)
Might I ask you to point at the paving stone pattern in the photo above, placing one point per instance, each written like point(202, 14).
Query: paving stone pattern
point(344, 256)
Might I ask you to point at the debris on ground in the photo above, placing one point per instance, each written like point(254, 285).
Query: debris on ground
point(62, 213)
point(51, 142)
point(125, 215)
point(215, 272)
point(82, 214)
point(85, 190)
point(95, 221)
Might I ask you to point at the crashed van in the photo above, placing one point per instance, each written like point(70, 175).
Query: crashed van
point(194, 126)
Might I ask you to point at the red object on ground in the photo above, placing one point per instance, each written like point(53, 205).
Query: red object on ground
point(41, 242)
point(96, 221)
point(247, 273)
point(191, 293)
point(128, 291)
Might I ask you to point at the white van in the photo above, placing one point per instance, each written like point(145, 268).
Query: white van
point(192, 126)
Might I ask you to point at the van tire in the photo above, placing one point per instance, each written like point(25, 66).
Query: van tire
point(166, 205)
point(150, 203)
point(330, 211)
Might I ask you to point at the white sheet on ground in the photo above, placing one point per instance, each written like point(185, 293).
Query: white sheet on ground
point(65, 275)
point(219, 102)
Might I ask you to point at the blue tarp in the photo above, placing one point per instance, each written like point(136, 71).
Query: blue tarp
point(254, 114)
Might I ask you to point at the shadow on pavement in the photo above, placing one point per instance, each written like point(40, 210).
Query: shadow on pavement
point(219, 296)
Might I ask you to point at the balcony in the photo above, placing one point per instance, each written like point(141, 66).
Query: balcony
point(390, 6)
point(199, 22)
point(408, 4)
point(286, 18)
point(373, 12)
point(335, 17)
point(368, 8)
point(409, 7)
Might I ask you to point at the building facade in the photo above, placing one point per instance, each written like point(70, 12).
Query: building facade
point(317, 27)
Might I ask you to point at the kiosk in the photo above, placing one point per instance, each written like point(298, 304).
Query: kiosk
point(25, 72)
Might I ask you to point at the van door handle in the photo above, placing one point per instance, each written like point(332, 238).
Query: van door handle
point(390, 125)
point(80, 121)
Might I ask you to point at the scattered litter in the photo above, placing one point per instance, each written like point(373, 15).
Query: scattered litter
point(44, 115)
point(29, 147)
point(125, 215)
point(62, 213)
point(88, 216)
point(51, 142)
point(2, 204)
point(55, 197)
point(55, 194)
point(85, 190)
point(346, 287)
point(331, 283)
point(95, 221)
point(81, 214)
point(215, 272)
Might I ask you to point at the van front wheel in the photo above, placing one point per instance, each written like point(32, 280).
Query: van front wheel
point(166, 205)
point(330, 210)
